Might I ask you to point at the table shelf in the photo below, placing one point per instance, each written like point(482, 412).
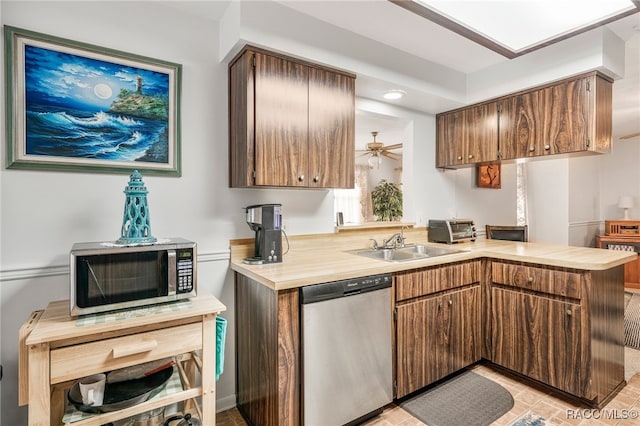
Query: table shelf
point(44, 387)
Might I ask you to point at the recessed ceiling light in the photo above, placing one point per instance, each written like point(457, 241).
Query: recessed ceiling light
point(394, 94)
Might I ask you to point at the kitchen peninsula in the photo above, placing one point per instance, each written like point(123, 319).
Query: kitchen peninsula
point(549, 313)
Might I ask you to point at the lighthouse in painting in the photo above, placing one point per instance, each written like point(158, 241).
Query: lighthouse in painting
point(139, 85)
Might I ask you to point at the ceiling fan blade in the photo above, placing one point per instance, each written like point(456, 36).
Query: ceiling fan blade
point(632, 135)
point(395, 146)
point(390, 155)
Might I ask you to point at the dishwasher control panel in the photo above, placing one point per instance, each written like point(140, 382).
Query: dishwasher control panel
point(344, 288)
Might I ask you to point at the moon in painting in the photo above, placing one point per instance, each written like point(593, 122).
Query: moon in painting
point(102, 91)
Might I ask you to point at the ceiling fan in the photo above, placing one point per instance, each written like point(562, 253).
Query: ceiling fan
point(376, 150)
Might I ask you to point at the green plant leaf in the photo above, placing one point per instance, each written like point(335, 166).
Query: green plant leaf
point(386, 198)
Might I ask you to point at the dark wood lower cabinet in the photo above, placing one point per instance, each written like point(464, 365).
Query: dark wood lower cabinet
point(562, 327)
point(436, 337)
point(267, 354)
point(558, 326)
point(539, 338)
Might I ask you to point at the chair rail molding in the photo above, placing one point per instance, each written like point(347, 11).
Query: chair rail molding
point(56, 270)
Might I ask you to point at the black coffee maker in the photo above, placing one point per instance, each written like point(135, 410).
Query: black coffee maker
point(266, 221)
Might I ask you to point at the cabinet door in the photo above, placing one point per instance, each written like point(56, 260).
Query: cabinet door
point(519, 123)
point(564, 124)
point(331, 129)
point(538, 337)
point(281, 121)
point(436, 337)
point(547, 121)
point(450, 143)
point(467, 136)
point(482, 133)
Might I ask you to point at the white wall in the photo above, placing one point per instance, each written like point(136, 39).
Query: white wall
point(584, 196)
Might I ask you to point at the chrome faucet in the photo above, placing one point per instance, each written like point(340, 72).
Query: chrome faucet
point(396, 240)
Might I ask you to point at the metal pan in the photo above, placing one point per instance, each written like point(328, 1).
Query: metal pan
point(123, 394)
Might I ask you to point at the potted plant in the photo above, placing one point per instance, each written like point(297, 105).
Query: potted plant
point(386, 198)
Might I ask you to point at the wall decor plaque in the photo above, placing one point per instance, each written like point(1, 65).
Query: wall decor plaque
point(488, 175)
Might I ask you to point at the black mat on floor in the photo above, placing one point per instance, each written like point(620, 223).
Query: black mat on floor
point(632, 320)
point(466, 399)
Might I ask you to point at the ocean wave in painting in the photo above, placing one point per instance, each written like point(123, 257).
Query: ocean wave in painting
point(101, 136)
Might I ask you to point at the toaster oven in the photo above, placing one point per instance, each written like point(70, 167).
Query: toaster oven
point(451, 231)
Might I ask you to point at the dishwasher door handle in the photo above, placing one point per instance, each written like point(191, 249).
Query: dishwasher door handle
point(352, 292)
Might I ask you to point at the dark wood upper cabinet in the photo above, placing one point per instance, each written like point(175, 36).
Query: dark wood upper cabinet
point(292, 123)
point(331, 129)
point(467, 136)
point(569, 116)
point(281, 121)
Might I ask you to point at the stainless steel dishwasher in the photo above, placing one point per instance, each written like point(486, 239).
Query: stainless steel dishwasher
point(346, 344)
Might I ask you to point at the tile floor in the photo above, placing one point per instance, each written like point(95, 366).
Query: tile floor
point(555, 410)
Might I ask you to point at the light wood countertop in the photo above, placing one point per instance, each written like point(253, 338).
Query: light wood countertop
point(314, 259)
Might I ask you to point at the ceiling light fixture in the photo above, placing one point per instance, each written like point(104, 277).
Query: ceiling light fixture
point(513, 28)
point(374, 161)
point(394, 94)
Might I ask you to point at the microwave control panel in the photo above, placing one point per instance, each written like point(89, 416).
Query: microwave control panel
point(184, 270)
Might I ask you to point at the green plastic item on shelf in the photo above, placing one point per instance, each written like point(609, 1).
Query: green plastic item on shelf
point(221, 333)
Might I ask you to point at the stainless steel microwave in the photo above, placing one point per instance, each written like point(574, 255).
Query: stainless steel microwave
point(106, 276)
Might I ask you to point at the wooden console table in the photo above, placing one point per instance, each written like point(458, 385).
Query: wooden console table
point(627, 243)
point(56, 350)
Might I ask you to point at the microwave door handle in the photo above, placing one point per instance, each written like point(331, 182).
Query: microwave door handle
point(95, 279)
point(172, 276)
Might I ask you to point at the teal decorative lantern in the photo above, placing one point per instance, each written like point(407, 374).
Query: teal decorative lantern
point(136, 227)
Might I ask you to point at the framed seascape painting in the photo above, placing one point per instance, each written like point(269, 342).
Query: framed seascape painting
point(75, 106)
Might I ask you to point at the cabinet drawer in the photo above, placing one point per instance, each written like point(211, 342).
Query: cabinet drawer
point(550, 281)
point(76, 361)
point(432, 280)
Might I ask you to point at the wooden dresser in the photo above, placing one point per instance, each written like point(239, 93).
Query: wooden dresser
point(56, 350)
point(624, 235)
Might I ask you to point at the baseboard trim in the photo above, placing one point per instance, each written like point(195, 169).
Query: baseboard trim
point(225, 403)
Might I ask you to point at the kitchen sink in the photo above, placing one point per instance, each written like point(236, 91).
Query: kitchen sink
point(403, 254)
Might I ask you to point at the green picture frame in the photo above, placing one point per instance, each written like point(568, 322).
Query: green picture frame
point(73, 106)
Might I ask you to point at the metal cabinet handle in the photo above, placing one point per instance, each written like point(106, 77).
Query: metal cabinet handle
point(450, 302)
point(569, 313)
point(470, 156)
point(530, 280)
point(547, 147)
point(301, 178)
point(459, 157)
point(532, 148)
point(316, 178)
